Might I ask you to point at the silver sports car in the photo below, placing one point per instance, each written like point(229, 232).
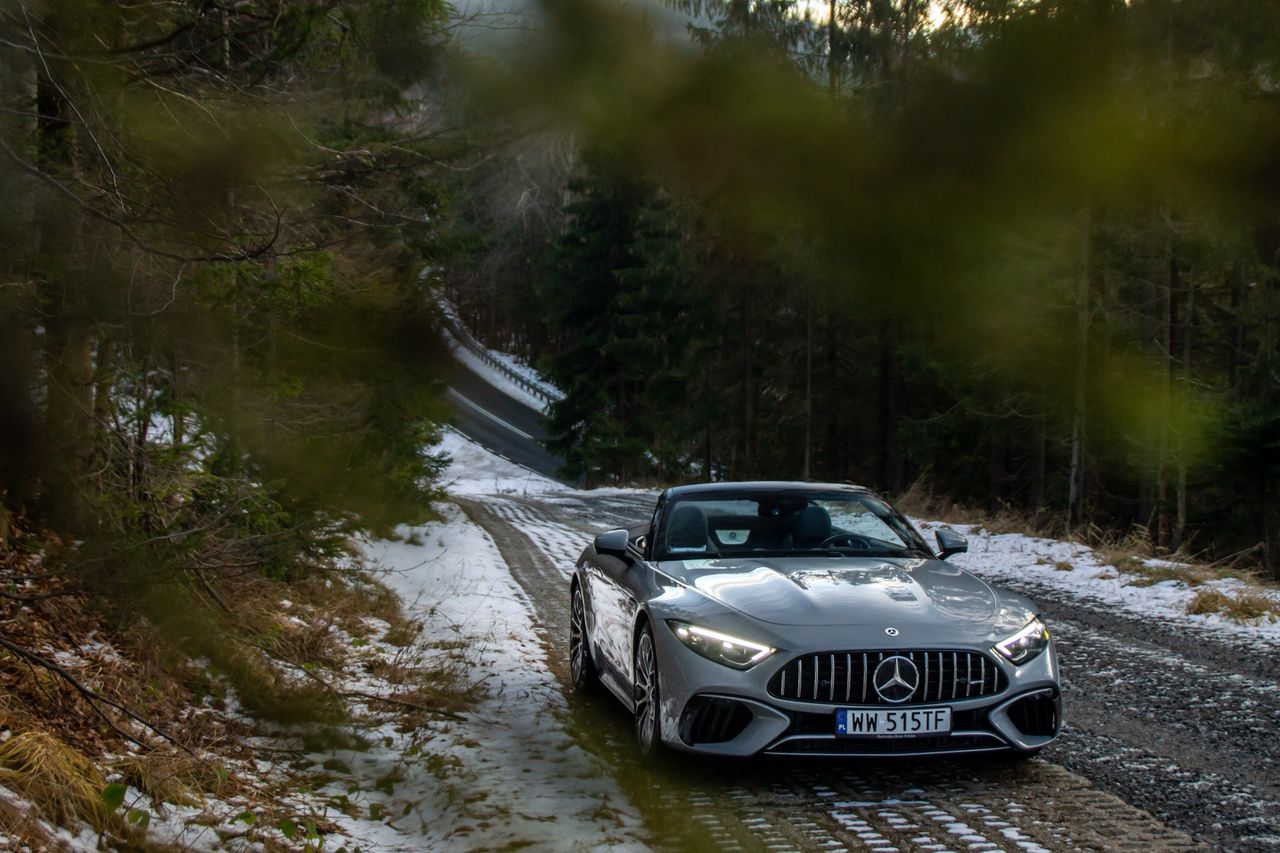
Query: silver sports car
point(803, 619)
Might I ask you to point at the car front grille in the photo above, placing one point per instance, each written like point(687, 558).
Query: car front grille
point(847, 677)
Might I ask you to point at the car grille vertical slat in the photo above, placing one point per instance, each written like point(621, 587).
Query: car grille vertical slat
point(940, 677)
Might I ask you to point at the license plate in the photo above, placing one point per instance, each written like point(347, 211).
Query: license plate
point(900, 722)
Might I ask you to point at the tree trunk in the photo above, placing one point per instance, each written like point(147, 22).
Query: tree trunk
point(996, 474)
point(68, 429)
point(832, 451)
point(1167, 314)
point(1039, 450)
point(884, 408)
point(831, 47)
point(1236, 349)
point(750, 450)
point(808, 388)
point(1075, 484)
point(1188, 321)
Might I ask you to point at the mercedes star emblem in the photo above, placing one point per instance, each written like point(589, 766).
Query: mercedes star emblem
point(896, 679)
point(892, 632)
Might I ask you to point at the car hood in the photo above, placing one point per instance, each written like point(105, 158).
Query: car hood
point(841, 590)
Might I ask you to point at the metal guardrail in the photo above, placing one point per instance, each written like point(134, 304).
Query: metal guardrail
point(480, 351)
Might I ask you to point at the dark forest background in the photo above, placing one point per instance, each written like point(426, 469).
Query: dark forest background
point(1023, 253)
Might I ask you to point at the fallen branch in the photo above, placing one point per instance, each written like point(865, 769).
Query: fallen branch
point(91, 696)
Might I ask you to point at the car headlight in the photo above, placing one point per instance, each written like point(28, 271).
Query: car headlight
point(1026, 644)
point(721, 648)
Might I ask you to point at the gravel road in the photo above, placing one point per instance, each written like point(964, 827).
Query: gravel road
point(1168, 740)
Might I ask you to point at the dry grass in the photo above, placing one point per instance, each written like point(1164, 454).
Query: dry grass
point(1247, 605)
point(1121, 559)
point(920, 501)
point(234, 637)
point(1208, 601)
point(172, 776)
point(443, 683)
point(311, 643)
point(63, 782)
point(1126, 553)
point(1149, 575)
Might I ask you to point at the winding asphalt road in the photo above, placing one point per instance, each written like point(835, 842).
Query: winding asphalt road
point(487, 416)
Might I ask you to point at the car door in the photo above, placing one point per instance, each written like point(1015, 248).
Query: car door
point(617, 583)
point(605, 577)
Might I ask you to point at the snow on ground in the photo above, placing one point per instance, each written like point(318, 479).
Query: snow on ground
point(517, 777)
point(1023, 561)
point(477, 471)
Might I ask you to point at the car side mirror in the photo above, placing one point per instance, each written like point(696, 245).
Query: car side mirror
point(612, 542)
point(950, 542)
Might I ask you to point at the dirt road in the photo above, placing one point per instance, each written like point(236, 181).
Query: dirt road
point(1167, 744)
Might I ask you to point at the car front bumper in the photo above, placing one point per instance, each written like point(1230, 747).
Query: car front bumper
point(714, 709)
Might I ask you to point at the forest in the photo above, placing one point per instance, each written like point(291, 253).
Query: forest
point(996, 259)
point(213, 220)
point(1022, 256)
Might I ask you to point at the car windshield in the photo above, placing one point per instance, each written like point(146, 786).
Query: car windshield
point(784, 523)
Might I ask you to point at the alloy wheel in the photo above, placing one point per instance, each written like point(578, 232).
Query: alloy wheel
point(578, 654)
point(646, 690)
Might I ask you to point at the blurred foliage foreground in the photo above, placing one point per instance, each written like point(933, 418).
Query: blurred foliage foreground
point(216, 351)
point(216, 359)
point(1027, 250)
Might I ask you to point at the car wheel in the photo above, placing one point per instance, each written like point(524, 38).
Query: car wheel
point(582, 669)
point(648, 704)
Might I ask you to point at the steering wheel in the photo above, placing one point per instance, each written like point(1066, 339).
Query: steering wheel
point(853, 539)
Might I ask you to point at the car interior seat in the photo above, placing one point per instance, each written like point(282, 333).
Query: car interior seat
point(813, 526)
point(687, 530)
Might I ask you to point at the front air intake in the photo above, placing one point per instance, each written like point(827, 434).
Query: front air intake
point(1036, 715)
point(710, 719)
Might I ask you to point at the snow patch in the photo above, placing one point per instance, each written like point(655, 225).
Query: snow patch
point(526, 781)
point(473, 470)
point(1029, 561)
